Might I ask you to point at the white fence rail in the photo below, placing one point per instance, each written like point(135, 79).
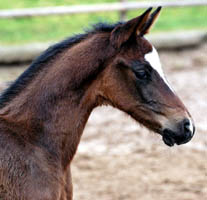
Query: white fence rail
point(107, 7)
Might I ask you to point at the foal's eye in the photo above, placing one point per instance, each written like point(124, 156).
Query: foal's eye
point(141, 74)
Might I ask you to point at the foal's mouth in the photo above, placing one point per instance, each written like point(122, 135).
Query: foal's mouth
point(170, 138)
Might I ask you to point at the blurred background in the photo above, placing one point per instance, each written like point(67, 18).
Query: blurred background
point(117, 159)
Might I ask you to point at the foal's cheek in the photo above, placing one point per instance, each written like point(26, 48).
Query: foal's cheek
point(143, 92)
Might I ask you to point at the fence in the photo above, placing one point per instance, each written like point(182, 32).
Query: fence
point(123, 6)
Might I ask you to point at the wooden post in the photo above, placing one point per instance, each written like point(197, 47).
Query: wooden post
point(123, 13)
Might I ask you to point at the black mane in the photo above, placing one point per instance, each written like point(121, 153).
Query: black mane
point(24, 79)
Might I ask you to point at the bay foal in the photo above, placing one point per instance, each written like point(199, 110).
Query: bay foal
point(43, 113)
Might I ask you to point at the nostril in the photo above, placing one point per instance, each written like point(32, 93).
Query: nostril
point(186, 125)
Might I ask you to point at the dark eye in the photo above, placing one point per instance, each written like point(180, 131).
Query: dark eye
point(141, 74)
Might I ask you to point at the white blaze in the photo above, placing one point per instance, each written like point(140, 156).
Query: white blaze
point(154, 60)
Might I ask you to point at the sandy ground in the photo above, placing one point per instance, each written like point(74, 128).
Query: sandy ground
point(119, 160)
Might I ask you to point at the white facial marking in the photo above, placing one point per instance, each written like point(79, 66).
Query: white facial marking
point(154, 60)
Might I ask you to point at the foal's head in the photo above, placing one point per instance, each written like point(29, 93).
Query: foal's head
point(134, 82)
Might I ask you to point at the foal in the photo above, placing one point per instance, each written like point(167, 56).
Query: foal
point(44, 112)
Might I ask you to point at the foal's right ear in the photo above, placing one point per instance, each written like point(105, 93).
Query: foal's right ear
point(122, 32)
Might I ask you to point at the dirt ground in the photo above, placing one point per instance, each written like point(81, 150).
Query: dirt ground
point(119, 160)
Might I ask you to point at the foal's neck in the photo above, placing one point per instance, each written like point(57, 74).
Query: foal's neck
point(52, 110)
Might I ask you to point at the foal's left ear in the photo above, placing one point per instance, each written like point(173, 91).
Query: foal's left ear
point(137, 26)
point(122, 32)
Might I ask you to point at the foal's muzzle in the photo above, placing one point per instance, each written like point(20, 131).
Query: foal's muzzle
point(182, 134)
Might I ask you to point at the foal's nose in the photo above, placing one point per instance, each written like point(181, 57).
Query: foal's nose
point(181, 134)
point(187, 130)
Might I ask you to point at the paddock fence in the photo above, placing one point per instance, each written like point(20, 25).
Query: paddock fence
point(123, 6)
point(24, 53)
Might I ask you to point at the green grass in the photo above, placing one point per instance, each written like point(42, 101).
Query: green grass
point(54, 28)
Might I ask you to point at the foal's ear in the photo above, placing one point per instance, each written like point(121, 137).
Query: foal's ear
point(149, 23)
point(121, 33)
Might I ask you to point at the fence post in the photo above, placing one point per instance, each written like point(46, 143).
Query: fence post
point(123, 13)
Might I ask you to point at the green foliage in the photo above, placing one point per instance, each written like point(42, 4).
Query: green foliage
point(54, 28)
